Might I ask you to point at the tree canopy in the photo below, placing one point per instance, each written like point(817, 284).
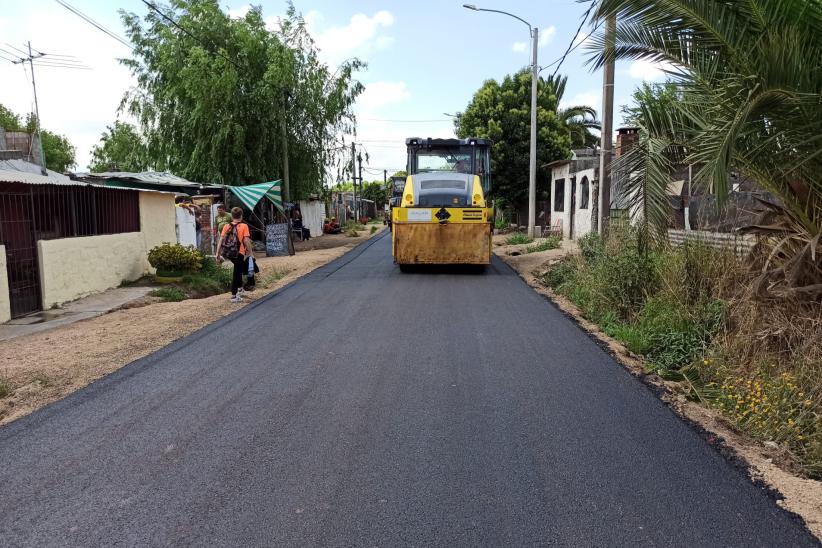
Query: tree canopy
point(501, 111)
point(219, 99)
point(121, 148)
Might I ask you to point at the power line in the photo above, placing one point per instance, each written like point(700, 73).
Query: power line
point(94, 23)
point(403, 121)
point(571, 45)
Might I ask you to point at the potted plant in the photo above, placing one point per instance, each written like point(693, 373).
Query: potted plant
point(173, 261)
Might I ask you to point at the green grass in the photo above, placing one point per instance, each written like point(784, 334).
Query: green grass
point(170, 294)
point(5, 389)
point(547, 244)
point(272, 277)
point(518, 239)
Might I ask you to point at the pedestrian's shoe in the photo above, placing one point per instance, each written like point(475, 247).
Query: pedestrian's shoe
point(236, 299)
point(240, 292)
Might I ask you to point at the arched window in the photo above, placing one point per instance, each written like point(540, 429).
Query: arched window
point(583, 193)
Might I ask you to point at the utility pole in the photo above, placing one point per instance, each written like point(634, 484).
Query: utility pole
point(532, 171)
point(284, 137)
point(30, 60)
point(606, 138)
point(354, 176)
point(358, 208)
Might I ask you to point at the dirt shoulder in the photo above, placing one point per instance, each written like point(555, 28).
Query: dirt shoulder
point(44, 367)
point(766, 465)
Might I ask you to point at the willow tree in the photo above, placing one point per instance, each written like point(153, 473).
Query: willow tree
point(226, 100)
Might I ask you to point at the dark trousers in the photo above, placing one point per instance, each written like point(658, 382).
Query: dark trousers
point(241, 269)
point(237, 277)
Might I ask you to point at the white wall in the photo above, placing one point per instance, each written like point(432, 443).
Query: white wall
point(313, 213)
point(582, 217)
point(5, 298)
point(186, 227)
point(561, 172)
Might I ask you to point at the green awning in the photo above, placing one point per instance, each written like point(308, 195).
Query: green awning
point(251, 195)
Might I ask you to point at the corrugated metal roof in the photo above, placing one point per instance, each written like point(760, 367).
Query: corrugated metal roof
point(151, 177)
point(24, 177)
point(22, 166)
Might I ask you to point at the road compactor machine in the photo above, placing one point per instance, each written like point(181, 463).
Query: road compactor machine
point(443, 216)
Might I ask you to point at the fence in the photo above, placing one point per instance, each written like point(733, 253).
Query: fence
point(740, 244)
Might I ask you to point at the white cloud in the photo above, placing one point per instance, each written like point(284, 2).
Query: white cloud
point(380, 94)
point(592, 98)
point(582, 38)
point(76, 103)
point(239, 13)
point(546, 36)
point(362, 36)
point(519, 47)
point(649, 71)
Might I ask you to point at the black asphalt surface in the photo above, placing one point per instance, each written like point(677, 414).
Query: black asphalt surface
point(365, 407)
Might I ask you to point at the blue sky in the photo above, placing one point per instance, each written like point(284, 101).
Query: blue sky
point(425, 58)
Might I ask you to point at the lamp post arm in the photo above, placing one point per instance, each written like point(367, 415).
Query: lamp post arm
point(530, 28)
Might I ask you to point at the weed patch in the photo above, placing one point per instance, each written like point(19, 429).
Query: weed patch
point(373, 229)
point(170, 294)
point(549, 243)
point(518, 239)
point(5, 390)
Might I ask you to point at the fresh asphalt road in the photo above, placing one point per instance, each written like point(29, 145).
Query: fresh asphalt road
point(365, 407)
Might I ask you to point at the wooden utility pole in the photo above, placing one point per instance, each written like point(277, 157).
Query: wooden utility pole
point(284, 136)
point(606, 139)
point(357, 209)
point(354, 177)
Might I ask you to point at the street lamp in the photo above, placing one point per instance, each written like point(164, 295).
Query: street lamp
point(532, 172)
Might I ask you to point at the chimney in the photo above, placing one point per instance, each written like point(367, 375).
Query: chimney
point(627, 139)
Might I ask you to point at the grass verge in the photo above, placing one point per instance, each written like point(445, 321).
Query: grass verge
point(693, 315)
point(518, 239)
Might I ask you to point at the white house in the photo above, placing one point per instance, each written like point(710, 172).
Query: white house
point(573, 196)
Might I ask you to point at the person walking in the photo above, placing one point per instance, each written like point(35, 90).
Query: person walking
point(235, 246)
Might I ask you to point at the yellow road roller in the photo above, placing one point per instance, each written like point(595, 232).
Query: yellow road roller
point(443, 217)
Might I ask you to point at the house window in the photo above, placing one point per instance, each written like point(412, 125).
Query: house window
point(559, 195)
point(583, 193)
point(70, 211)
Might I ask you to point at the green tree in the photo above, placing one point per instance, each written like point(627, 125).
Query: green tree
point(59, 152)
point(376, 191)
point(9, 120)
point(220, 99)
point(578, 120)
point(402, 173)
point(121, 148)
point(501, 111)
point(749, 99)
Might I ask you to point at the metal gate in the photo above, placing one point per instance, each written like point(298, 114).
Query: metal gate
point(17, 234)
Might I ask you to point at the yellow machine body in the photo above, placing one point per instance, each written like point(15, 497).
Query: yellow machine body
point(445, 226)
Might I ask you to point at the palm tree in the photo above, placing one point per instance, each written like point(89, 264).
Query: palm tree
point(578, 120)
point(749, 75)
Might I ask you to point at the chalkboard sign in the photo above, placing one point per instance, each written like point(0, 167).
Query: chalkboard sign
point(276, 240)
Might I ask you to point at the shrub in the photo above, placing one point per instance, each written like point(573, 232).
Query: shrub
point(212, 279)
point(591, 246)
point(552, 242)
point(560, 273)
point(501, 222)
point(373, 229)
point(169, 294)
point(518, 239)
point(175, 258)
